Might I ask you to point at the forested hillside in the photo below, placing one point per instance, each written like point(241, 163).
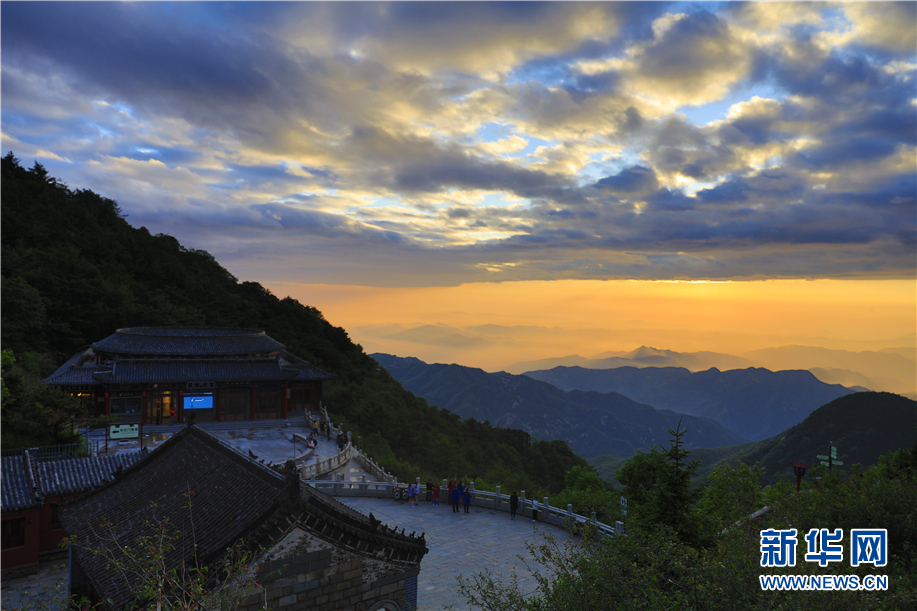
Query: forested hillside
point(74, 271)
point(863, 426)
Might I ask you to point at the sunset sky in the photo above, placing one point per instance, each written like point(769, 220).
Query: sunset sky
point(694, 176)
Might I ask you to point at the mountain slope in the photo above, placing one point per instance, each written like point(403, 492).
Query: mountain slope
point(752, 403)
point(590, 422)
point(862, 426)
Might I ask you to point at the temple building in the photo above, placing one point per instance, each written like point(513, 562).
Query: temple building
point(162, 375)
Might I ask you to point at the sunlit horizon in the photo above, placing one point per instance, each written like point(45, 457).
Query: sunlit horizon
point(729, 317)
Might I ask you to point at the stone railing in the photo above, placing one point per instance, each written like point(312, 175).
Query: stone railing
point(392, 489)
point(305, 455)
point(322, 467)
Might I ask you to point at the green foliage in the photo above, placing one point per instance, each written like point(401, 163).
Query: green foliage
point(732, 492)
point(655, 568)
point(589, 494)
point(34, 414)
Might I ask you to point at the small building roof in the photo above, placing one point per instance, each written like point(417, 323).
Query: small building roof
point(79, 475)
point(19, 490)
point(26, 481)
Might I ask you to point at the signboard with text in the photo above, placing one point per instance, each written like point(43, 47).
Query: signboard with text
point(124, 431)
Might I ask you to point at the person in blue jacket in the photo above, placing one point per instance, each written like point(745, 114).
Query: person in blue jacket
point(467, 499)
point(454, 499)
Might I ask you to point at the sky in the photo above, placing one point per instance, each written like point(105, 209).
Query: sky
point(694, 175)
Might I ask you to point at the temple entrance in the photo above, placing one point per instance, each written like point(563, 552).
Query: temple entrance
point(159, 407)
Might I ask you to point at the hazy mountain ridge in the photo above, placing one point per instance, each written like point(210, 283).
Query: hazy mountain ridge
point(590, 422)
point(889, 368)
point(862, 426)
point(644, 356)
point(753, 403)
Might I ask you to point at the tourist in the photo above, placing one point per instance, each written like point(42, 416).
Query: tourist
point(513, 505)
point(467, 499)
point(454, 499)
point(410, 495)
point(534, 510)
point(436, 496)
point(429, 491)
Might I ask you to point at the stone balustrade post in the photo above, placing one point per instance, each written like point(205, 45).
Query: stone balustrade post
point(445, 486)
point(570, 509)
point(522, 502)
point(619, 527)
point(363, 485)
point(497, 498)
point(545, 508)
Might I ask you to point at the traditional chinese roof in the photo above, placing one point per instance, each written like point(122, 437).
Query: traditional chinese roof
point(188, 342)
point(78, 475)
point(77, 371)
point(232, 497)
point(179, 370)
point(27, 481)
point(180, 354)
point(19, 490)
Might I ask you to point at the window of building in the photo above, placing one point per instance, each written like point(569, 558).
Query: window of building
point(13, 532)
point(125, 406)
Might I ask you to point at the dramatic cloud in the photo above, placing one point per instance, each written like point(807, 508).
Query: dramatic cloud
point(439, 143)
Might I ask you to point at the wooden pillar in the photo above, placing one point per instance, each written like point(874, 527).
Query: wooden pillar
point(219, 404)
point(107, 404)
point(143, 407)
point(251, 407)
point(284, 398)
point(180, 408)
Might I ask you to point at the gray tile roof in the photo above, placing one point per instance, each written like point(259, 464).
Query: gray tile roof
point(188, 341)
point(19, 491)
point(81, 474)
point(27, 481)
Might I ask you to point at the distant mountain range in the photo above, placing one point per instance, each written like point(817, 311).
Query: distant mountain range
point(889, 369)
point(862, 426)
point(591, 423)
point(753, 403)
point(643, 356)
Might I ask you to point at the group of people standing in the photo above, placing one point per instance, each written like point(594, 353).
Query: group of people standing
point(458, 494)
